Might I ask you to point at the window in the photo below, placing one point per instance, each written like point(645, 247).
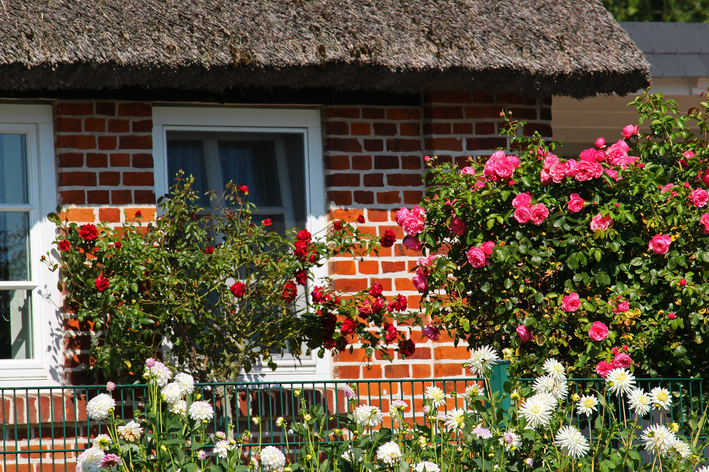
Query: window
point(30, 331)
point(276, 152)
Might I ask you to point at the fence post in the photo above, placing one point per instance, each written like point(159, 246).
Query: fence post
point(497, 382)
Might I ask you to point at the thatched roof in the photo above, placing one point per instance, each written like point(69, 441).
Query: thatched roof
point(533, 47)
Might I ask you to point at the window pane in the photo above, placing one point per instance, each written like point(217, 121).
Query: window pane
point(252, 163)
point(15, 326)
point(189, 157)
point(14, 249)
point(13, 168)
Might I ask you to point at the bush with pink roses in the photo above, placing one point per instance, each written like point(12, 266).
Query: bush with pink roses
point(600, 259)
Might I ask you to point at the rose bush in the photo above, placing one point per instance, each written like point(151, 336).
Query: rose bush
point(616, 235)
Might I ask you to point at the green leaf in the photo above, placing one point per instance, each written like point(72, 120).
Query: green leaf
point(637, 261)
point(536, 261)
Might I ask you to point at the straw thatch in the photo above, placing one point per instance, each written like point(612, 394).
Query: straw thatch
point(533, 47)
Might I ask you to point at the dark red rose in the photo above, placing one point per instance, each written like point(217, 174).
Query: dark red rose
point(301, 276)
point(407, 348)
point(64, 245)
point(377, 305)
point(208, 250)
point(243, 189)
point(138, 214)
point(329, 323)
point(303, 235)
point(88, 232)
point(301, 250)
point(389, 238)
point(267, 222)
point(376, 290)
point(360, 219)
point(290, 291)
point(117, 245)
point(390, 332)
point(318, 295)
point(101, 283)
point(349, 326)
point(337, 225)
point(238, 289)
point(401, 303)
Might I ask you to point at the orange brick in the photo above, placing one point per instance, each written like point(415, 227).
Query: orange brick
point(347, 372)
point(369, 267)
point(377, 215)
point(447, 370)
point(109, 215)
point(80, 214)
point(420, 371)
point(343, 267)
point(372, 371)
point(404, 284)
point(346, 215)
point(398, 266)
point(357, 355)
point(385, 283)
point(450, 352)
point(350, 285)
point(421, 353)
point(396, 371)
point(148, 214)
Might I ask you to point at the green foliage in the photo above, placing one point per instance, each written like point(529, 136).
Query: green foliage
point(694, 11)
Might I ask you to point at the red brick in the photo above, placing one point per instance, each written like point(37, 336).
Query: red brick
point(107, 143)
point(340, 197)
point(117, 125)
point(421, 353)
point(462, 128)
point(438, 128)
point(404, 180)
point(373, 145)
point(524, 113)
point(449, 96)
point(142, 126)
point(120, 160)
point(410, 129)
point(84, 179)
point(371, 371)
point(420, 371)
point(109, 215)
point(109, 178)
point(543, 129)
point(373, 180)
point(135, 109)
point(388, 267)
point(96, 160)
point(63, 124)
point(71, 159)
point(403, 285)
point(343, 267)
point(135, 142)
point(341, 112)
point(138, 179)
point(349, 215)
point(403, 145)
point(386, 162)
point(403, 113)
point(361, 162)
point(410, 162)
point(369, 267)
point(357, 355)
point(80, 214)
point(75, 108)
point(444, 112)
point(97, 197)
point(142, 161)
point(446, 144)
point(106, 108)
point(72, 197)
point(412, 197)
point(350, 285)
point(388, 198)
point(347, 372)
point(337, 127)
point(482, 97)
point(384, 129)
point(447, 370)
point(121, 197)
point(385, 283)
point(484, 128)
point(373, 113)
point(450, 352)
point(343, 180)
point(95, 124)
point(484, 144)
point(361, 129)
point(377, 215)
point(145, 197)
point(338, 162)
point(396, 371)
point(343, 145)
point(76, 141)
point(364, 198)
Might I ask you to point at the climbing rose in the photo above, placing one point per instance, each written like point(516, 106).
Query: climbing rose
point(524, 334)
point(603, 368)
point(360, 219)
point(400, 303)
point(539, 213)
point(101, 283)
point(699, 197)
point(600, 142)
point(622, 307)
point(420, 282)
point(88, 232)
point(431, 332)
point(349, 326)
point(376, 290)
point(575, 203)
point(243, 189)
point(301, 276)
point(267, 222)
point(289, 291)
point(522, 214)
point(704, 221)
point(389, 238)
point(64, 245)
point(477, 257)
point(660, 243)
point(208, 250)
point(601, 223)
point(337, 225)
point(238, 289)
point(522, 199)
point(570, 303)
point(412, 243)
point(622, 361)
point(630, 130)
point(487, 247)
point(411, 221)
point(598, 331)
point(390, 332)
point(407, 348)
point(457, 226)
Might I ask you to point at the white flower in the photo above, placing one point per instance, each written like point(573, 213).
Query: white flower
point(537, 410)
point(366, 415)
point(171, 392)
point(620, 381)
point(455, 420)
point(102, 441)
point(131, 432)
point(482, 433)
point(90, 460)
point(703, 469)
point(547, 384)
point(179, 408)
point(555, 369)
point(200, 411)
point(639, 401)
point(426, 466)
point(587, 405)
point(272, 459)
point(511, 440)
point(100, 406)
point(435, 395)
point(399, 404)
point(658, 438)
point(680, 448)
point(473, 391)
point(186, 382)
point(660, 397)
point(389, 453)
point(482, 360)
point(222, 448)
point(160, 372)
point(572, 442)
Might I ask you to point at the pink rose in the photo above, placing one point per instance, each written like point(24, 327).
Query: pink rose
point(622, 307)
point(550, 160)
point(603, 368)
point(420, 283)
point(522, 199)
point(538, 213)
point(585, 171)
point(622, 361)
point(479, 184)
point(598, 331)
point(411, 221)
point(699, 197)
point(575, 203)
point(704, 220)
point(487, 247)
point(601, 223)
point(522, 214)
point(630, 130)
point(545, 177)
point(467, 171)
point(617, 153)
point(571, 167)
point(504, 168)
point(587, 155)
point(412, 243)
point(477, 257)
point(558, 172)
point(613, 174)
point(688, 154)
point(431, 332)
point(660, 243)
point(571, 302)
point(457, 226)
point(600, 142)
point(524, 334)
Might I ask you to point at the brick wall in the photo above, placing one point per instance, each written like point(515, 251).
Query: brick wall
point(374, 166)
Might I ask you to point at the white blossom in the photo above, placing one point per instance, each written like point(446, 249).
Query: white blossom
point(572, 442)
point(99, 407)
point(639, 401)
point(102, 441)
point(272, 459)
point(186, 382)
point(389, 453)
point(90, 460)
point(455, 420)
point(435, 395)
point(171, 392)
point(131, 432)
point(660, 397)
point(482, 360)
point(537, 410)
point(620, 381)
point(587, 405)
point(201, 411)
point(658, 438)
point(426, 466)
point(160, 373)
point(366, 415)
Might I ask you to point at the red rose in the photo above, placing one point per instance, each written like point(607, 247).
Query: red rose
point(290, 291)
point(389, 238)
point(88, 232)
point(457, 226)
point(238, 289)
point(390, 332)
point(267, 222)
point(622, 361)
point(301, 276)
point(243, 189)
point(683, 282)
point(303, 235)
point(63, 245)
point(337, 225)
point(138, 214)
point(524, 334)
point(349, 326)
point(360, 219)
point(208, 250)
point(318, 296)
point(407, 348)
point(401, 303)
point(329, 323)
point(117, 245)
point(376, 290)
point(101, 283)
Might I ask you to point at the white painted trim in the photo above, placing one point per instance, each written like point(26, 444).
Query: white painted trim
point(257, 120)
point(46, 368)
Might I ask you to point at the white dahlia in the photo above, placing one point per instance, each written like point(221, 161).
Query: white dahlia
point(160, 373)
point(620, 381)
point(511, 440)
point(90, 460)
point(473, 391)
point(179, 408)
point(587, 405)
point(435, 395)
point(100, 407)
point(658, 439)
point(639, 401)
point(555, 369)
point(171, 392)
point(186, 382)
point(426, 466)
point(537, 410)
point(482, 360)
point(455, 420)
point(389, 453)
point(102, 441)
point(572, 442)
point(549, 385)
point(272, 459)
point(661, 398)
point(131, 432)
point(366, 415)
point(201, 411)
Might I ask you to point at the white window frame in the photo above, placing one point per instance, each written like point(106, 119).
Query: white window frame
point(257, 120)
point(46, 366)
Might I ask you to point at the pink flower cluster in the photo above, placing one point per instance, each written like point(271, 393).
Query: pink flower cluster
point(411, 221)
point(525, 211)
point(586, 168)
point(477, 256)
point(500, 166)
point(617, 155)
point(601, 223)
point(575, 203)
point(620, 361)
point(704, 221)
point(699, 197)
point(660, 243)
point(424, 267)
